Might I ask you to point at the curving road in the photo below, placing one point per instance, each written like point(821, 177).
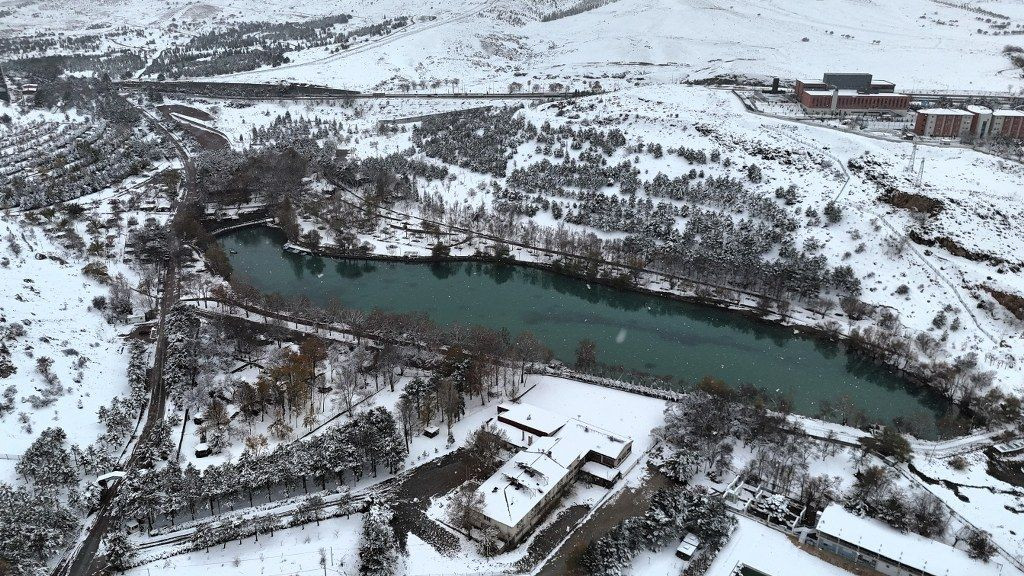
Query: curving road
point(83, 560)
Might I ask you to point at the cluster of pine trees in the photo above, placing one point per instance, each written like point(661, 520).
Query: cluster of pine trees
point(482, 139)
point(673, 512)
point(368, 443)
point(250, 45)
point(35, 519)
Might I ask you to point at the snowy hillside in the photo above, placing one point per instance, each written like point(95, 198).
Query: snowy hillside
point(946, 283)
point(41, 289)
point(918, 44)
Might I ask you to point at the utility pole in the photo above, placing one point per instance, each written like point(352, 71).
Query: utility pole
point(913, 157)
point(920, 175)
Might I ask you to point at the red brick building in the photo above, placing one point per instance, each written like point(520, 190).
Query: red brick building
point(943, 123)
point(974, 122)
point(838, 93)
point(1007, 124)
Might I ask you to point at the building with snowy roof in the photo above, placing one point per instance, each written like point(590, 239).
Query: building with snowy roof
point(849, 92)
point(1010, 448)
point(553, 451)
point(891, 552)
point(1006, 124)
point(974, 121)
point(943, 123)
point(530, 419)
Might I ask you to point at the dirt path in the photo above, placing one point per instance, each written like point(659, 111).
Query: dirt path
point(548, 538)
point(189, 111)
point(628, 503)
point(429, 481)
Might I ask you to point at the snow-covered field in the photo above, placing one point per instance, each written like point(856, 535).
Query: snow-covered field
point(989, 503)
point(292, 551)
point(89, 356)
point(916, 43)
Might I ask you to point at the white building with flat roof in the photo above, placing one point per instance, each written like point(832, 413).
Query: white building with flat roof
point(530, 419)
point(892, 552)
point(553, 451)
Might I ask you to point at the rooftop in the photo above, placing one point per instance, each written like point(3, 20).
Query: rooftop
point(909, 549)
point(945, 112)
point(530, 416)
point(1011, 446)
point(853, 93)
point(689, 544)
point(521, 484)
point(1007, 113)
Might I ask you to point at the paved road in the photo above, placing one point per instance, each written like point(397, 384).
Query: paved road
point(628, 503)
point(83, 560)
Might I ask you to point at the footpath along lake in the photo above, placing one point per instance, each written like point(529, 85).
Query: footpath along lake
point(641, 332)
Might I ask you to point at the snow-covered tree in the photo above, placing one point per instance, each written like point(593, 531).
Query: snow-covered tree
point(34, 526)
point(182, 354)
point(466, 503)
point(47, 462)
point(378, 547)
point(118, 550)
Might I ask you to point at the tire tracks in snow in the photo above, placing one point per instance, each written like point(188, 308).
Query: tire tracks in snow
point(908, 243)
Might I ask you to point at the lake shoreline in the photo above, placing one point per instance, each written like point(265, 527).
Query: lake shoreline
point(913, 381)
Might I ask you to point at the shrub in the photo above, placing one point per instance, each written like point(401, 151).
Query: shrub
point(979, 545)
point(888, 442)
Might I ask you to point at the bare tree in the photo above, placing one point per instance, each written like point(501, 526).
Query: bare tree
point(467, 503)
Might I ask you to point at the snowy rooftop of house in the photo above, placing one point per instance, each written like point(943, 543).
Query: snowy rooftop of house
point(975, 109)
point(584, 436)
point(589, 438)
point(530, 416)
point(521, 483)
point(913, 550)
point(945, 111)
point(1008, 113)
point(601, 471)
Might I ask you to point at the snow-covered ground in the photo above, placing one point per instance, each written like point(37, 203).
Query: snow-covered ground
point(981, 196)
point(987, 502)
point(484, 43)
point(752, 544)
point(292, 551)
point(89, 355)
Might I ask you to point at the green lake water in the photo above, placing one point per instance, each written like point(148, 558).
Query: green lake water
point(641, 332)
